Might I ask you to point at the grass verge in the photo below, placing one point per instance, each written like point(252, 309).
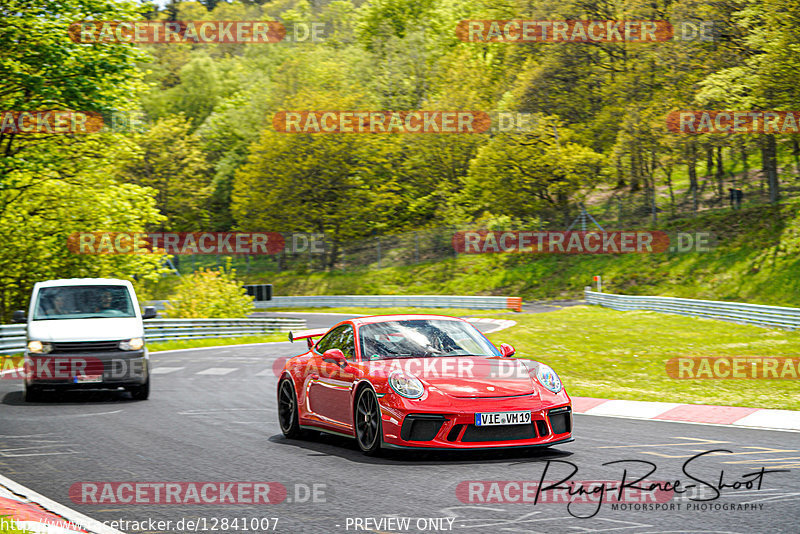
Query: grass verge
point(622, 355)
point(8, 526)
point(754, 259)
point(10, 362)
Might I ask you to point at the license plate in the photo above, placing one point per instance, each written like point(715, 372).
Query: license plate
point(88, 379)
point(502, 418)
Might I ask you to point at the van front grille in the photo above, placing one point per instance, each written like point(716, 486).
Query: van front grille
point(86, 346)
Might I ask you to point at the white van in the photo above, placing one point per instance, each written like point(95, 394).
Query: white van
point(85, 333)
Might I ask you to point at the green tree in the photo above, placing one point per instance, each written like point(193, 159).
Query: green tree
point(52, 186)
point(525, 175)
point(207, 294)
point(173, 164)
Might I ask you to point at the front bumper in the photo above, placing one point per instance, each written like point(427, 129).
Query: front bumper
point(89, 370)
point(407, 424)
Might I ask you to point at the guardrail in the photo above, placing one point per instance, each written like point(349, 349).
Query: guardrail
point(393, 301)
point(174, 329)
point(757, 314)
point(12, 337)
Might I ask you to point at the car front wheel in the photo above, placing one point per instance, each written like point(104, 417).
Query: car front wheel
point(287, 410)
point(368, 422)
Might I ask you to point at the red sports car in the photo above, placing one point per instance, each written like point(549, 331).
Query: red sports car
point(420, 381)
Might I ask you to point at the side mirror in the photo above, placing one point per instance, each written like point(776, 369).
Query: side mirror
point(335, 356)
point(149, 312)
point(19, 317)
point(507, 350)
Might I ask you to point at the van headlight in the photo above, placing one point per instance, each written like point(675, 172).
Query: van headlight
point(548, 378)
point(406, 385)
point(37, 347)
point(132, 344)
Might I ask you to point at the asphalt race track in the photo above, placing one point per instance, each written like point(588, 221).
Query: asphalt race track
point(212, 417)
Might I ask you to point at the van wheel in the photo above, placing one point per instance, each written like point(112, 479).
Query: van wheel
point(33, 394)
point(140, 392)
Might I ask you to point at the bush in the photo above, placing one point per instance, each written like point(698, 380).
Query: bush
point(207, 294)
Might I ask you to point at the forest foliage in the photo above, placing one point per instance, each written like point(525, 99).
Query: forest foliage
point(207, 156)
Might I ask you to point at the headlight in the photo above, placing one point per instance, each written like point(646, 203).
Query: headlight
point(38, 347)
point(132, 344)
point(406, 385)
point(548, 378)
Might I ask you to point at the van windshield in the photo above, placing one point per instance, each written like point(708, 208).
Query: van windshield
point(83, 302)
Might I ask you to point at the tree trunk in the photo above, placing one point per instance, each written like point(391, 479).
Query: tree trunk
point(745, 166)
point(635, 185)
point(651, 174)
point(709, 167)
point(764, 164)
point(333, 254)
point(772, 169)
point(668, 173)
point(561, 198)
point(720, 173)
point(796, 154)
point(693, 175)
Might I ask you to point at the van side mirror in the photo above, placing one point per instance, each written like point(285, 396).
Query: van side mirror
point(149, 312)
point(19, 317)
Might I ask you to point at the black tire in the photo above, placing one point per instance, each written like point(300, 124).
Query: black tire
point(33, 394)
point(367, 422)
point(140, 392)
point(287, 410)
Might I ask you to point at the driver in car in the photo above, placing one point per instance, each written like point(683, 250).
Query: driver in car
point(105, 302)
point(59, 305)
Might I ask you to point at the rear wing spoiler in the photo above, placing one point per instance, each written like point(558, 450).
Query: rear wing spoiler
point(308, 335)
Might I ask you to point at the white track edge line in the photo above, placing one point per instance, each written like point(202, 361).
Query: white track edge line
point(725, 425)
point(67, 513)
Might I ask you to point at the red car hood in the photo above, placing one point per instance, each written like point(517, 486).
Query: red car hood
point(465, 376)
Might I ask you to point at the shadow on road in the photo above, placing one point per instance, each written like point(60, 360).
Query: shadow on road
point(347, 449)
point(71, 398)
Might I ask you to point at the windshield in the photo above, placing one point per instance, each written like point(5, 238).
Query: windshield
point(83, 302)
point(422, 338)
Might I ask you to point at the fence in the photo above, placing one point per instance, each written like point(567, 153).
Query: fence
point(382, 301)
point(12, 337)
point(315, 252)
point(757, 314)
